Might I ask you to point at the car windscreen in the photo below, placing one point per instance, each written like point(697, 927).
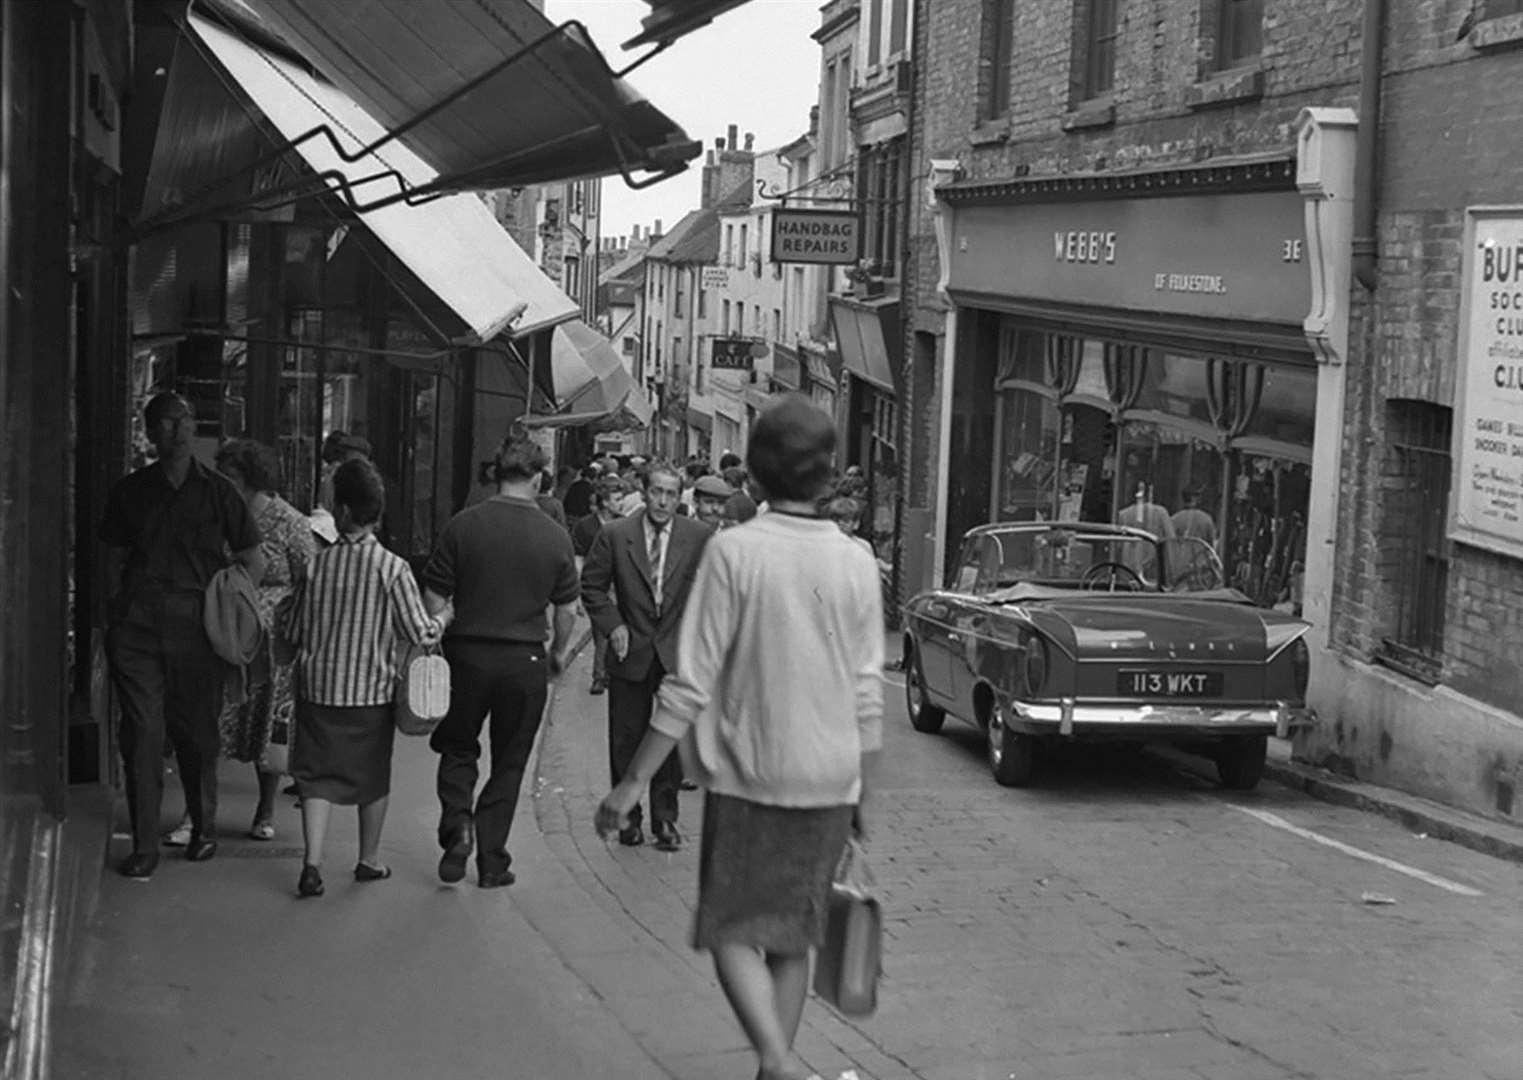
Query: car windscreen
point(1074, 559)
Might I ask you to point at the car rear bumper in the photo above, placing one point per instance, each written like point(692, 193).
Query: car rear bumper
point(1069, 718)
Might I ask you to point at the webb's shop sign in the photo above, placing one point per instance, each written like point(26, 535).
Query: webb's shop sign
point(1488, 429)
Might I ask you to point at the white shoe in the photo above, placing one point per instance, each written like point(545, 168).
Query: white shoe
point(179, 836)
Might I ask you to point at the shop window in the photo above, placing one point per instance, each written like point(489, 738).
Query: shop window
point(1176, 470)
point(1175, 385)
point(1097, 29)
point(1284, 406)
point(1086, 464)
point(998, 44)
point(1028, 455)
point(1239, 37)
point(1266, 528)
point(1416, 489)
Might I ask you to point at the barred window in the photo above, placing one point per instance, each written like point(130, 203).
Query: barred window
point(878, 185)
point(1416, 485)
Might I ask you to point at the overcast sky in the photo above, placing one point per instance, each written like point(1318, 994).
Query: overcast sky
point(755, 66)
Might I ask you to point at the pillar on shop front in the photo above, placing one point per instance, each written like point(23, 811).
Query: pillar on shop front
point(943, 171)
point(1325, 178)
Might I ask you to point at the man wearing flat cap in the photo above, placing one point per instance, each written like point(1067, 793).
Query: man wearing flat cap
point(710, 494)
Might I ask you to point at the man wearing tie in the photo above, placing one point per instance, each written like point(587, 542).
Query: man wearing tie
point(635, 584)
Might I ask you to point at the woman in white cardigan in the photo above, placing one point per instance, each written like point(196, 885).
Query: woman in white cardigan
point(777, 703)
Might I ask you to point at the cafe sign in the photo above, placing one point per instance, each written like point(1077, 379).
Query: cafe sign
point(816, 236)
point(1488, 430)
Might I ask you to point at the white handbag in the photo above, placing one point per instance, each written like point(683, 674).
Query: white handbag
point(422, 697)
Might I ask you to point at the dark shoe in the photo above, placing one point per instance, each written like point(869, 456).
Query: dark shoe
point(494, 879)
point(598, 686)
point(290, 789)
point(366, 872)
point(140, 865)
point(200, 849)
point(452, 862)
point(667, 836)
point(311, 881)
point(688, 785)
point(632, 835)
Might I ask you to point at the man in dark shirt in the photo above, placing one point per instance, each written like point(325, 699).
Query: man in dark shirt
point(502, 563)
point(170, 524)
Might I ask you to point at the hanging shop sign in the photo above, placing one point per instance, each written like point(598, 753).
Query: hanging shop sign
point(1488, 430)
point(735, 354)
point(816, 236)
point(714, 277)
point(1228, 256)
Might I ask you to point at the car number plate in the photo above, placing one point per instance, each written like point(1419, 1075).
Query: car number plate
point(1196, 684)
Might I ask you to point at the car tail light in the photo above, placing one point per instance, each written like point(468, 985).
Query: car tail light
point(1300, 666)
point(1036, 665)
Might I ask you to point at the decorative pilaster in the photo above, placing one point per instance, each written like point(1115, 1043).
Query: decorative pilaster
point(1325, 178)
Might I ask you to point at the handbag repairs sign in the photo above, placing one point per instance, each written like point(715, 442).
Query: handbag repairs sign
point(816, 236)
point(1488, 428)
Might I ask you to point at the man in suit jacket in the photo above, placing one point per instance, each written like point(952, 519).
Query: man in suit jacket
point(635, 583)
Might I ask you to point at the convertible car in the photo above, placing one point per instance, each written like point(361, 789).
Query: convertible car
point(1070, 631)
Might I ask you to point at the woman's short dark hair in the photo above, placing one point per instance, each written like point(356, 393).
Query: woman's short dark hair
point(791, 450)
point(728, 460)
point(253, 461)
point(518, 458)
point(357, 484)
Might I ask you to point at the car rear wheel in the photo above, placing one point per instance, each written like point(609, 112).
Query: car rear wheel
point(1240, 761)
point(924, 717)
point(1012, 756)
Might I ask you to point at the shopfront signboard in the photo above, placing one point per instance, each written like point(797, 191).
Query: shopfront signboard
point(1488, 423)
point(1230, 256)
point(734, 354)
point(816, 236)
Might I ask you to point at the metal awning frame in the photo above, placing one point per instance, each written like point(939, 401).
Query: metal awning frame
point(334, 182)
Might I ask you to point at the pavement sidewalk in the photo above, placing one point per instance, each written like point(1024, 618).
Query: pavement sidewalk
point(650, 978)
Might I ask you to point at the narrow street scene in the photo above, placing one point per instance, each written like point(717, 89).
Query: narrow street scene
point(761, 539)
point(1124, 919)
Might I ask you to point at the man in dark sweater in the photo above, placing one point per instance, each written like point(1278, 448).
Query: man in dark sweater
point(501, 562)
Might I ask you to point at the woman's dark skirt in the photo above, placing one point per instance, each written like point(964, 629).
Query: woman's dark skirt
point(764, 873)
point(343, 755)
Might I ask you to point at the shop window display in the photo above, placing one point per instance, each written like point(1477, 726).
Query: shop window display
point(1029, 428)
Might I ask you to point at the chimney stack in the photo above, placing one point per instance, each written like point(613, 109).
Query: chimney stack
point(657, 230)
point(749, 140)
point(730, 134)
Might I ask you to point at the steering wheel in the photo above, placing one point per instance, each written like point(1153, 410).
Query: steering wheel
point(1115, 572)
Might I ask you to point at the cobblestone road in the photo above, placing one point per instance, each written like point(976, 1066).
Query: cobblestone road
point(1122, 919)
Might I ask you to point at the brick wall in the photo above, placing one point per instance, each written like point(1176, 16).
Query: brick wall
point(1448, 141)
point(1310, 57)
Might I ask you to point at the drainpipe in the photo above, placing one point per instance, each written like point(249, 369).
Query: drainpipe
point(1366, 142)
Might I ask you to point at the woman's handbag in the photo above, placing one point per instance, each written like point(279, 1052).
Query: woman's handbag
point(422, 697)
point(277, 756)
point(847, 969)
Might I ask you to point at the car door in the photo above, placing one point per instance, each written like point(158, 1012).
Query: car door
point(937, 620)
point(968, 622)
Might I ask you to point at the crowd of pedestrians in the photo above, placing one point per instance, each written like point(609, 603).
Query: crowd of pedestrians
point(735, 614)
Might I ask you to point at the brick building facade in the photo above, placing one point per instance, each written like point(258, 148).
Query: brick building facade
point(1427, 629)
point(1334, 472)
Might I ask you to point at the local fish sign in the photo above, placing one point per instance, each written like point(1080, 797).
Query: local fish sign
point(816, 236)
point(1488, 430)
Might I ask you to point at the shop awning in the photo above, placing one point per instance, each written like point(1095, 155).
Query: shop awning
point(671, 19)
point(453, 244)
point(700, 421)
point(867, 333)
point(593, 388)
point(490, 93)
